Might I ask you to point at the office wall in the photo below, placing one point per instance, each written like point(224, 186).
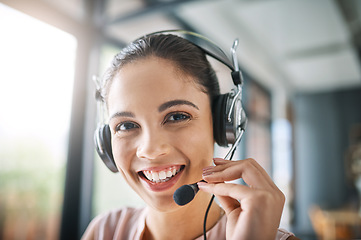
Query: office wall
point(321, 129)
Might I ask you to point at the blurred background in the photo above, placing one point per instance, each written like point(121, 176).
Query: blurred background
point(301, 63)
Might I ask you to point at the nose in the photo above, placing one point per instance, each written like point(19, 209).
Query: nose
point(153, 145)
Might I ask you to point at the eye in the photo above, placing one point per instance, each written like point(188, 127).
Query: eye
point(126, 126)
point(177, 117)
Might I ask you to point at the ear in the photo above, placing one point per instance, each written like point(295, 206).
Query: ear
point(219, 119)
point(102, 139)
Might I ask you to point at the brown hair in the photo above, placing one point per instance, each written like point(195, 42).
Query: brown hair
point(189, 58)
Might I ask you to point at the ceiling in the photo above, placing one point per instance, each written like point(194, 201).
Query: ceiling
point(298, 45)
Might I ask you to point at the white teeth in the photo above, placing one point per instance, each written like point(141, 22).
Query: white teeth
point(155, 176)
point(161, 176)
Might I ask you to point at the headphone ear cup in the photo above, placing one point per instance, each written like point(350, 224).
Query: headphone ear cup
point(102, 139)
point(219, 119)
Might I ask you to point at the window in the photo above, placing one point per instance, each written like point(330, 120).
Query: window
point(36, 78)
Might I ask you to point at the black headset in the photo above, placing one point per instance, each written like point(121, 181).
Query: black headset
point(229, 118)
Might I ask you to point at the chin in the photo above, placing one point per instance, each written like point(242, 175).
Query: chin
point(163, 204)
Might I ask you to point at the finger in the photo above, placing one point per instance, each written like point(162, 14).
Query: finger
point(235, 191)
point(232, 170)
point(245, 195)
point(228, 203)
point(220, 161)
point(264, 173)
point(250, 161)
point(262, 170)
point(217, 161)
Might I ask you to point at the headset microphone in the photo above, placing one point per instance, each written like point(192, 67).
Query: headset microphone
point(186, 193)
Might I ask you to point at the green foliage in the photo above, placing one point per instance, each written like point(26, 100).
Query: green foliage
point(31, 179)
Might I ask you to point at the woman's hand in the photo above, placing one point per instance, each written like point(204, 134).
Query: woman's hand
point(253, 211)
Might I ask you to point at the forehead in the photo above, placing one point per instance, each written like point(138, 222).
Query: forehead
point(150, 79)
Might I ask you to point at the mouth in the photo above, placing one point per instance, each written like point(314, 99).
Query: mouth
point(161, 176)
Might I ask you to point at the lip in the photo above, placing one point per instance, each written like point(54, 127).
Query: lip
point(161, 186)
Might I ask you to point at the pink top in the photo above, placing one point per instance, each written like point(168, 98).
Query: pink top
point(129, 223)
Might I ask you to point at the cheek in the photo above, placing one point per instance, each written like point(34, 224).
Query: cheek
point(207, 142)
point(122, 152)
point(199, 144)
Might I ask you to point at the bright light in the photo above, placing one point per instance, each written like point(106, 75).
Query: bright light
point(36, 78)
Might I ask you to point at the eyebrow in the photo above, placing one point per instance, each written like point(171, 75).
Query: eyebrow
point(161, 108)
point(122, 114)
point(172, 103)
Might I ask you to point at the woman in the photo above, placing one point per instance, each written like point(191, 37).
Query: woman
point(158, 94)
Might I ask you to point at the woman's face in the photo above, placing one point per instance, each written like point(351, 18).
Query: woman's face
point(161, 125)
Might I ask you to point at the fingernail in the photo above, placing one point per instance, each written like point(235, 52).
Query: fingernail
point(207, 172)
point(219, 160)
point(201, 184)
point(208, 168)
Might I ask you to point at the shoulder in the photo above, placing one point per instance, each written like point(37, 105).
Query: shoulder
point(112, 223)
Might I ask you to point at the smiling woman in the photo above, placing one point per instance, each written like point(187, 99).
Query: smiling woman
point(37, 66)
point(166, 114)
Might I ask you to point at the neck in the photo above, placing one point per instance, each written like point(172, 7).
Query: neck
point(184, 223)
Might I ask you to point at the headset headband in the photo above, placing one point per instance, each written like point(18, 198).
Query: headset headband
point(210, 48)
